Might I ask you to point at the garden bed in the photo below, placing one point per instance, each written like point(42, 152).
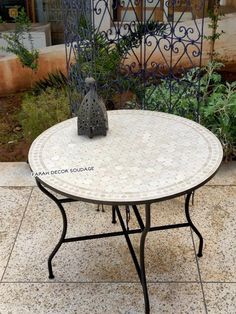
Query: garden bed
point(26, 115)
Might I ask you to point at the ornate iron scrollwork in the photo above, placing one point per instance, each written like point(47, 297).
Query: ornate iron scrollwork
point(136, 50)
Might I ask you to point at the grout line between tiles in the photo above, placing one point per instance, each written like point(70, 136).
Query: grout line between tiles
point(18, 186)
point(117, 282)
point(98, 282)
point(199, 272)
point(17, 234)
point(226, 282)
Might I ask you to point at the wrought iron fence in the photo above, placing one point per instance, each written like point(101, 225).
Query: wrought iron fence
point(143, 53)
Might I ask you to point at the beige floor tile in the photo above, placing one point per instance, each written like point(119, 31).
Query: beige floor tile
point(13, 202)
point(220, 298)
point(109, 298)
point(214, 213)
point(169, 254)
point(40, 232)
point(166, 212)
point(16, 174)
point(226, 175)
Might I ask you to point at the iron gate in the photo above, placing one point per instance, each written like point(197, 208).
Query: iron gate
point(142, 53)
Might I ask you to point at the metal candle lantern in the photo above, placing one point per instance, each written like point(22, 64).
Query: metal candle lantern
point(92, 115)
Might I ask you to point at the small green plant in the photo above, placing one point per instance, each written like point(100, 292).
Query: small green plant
point(215, 17)
point(39, 112)
point(210, 80)
point(28, 57)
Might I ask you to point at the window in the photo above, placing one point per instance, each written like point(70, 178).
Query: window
point(131, 10)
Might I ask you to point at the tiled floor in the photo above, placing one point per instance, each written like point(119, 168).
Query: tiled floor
point(98, 276)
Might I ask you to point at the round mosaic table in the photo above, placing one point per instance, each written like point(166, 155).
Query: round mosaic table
point(146, 157)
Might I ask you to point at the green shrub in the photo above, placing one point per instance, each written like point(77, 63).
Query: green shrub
point(219, 115)
point(177, 97)
point(217, 106)
point(39, 112)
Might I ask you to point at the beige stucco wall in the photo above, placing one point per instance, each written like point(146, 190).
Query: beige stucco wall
point(229, 2)
point(14, 78)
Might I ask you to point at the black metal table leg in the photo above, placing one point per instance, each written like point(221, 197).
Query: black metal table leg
point(142, 259)
point(144, 228)
point(64, 229)
point(113, 215)
point(192, 225)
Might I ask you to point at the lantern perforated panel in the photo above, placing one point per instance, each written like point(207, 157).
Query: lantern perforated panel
point(92, 115)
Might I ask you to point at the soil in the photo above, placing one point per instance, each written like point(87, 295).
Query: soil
point(228, 76)
point(13, 147)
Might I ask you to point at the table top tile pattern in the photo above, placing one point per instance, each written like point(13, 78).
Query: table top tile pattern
point(146, 156)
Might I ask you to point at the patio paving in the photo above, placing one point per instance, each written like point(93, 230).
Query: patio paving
point(98, 276)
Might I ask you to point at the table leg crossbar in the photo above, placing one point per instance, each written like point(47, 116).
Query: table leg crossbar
point(145, 227)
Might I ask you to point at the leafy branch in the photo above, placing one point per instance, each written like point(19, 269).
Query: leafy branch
point(28, 57)
point(103, 58)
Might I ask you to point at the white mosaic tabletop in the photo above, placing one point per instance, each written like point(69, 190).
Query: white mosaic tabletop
point(146, 156)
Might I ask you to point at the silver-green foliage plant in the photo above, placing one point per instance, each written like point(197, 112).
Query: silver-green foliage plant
point(39, 112)
point(217, 107)
point(15, 42)
point(219, 115)
point(174, 96)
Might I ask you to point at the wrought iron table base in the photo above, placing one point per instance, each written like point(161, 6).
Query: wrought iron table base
point(144, 229)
